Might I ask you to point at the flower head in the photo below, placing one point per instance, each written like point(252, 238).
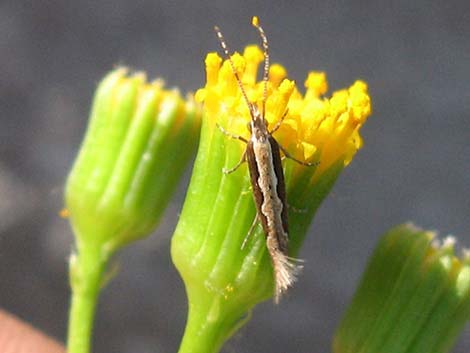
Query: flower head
point(223, 279)
point(139, 139)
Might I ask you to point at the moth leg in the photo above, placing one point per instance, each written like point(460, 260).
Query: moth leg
point(250, 232)
point(240, 162)
point(278, 124)
point(236, 137)
point(288, 155)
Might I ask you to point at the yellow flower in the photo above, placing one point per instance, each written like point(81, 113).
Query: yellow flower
point(315, 128)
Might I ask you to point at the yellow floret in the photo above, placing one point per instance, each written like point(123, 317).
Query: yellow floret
point(314, 127)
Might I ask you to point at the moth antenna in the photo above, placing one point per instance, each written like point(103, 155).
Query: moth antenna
point(224, 46)
point(264, 40)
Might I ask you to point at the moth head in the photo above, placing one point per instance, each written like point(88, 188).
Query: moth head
point(257, 124)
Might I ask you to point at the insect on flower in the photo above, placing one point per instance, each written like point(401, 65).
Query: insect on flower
point(263, 154)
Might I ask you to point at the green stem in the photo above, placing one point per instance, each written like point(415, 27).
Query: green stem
point(210, 323)
point(86, 276)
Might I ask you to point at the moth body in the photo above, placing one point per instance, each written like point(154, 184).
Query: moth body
point(263, 155)
point(267, 179)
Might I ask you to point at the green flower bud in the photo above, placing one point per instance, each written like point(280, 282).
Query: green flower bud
point(414, 297)
point(139, 140)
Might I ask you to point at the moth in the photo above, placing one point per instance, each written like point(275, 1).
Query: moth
point(263, 155)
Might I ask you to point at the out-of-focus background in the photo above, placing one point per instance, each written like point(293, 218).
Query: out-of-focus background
point(415, 165)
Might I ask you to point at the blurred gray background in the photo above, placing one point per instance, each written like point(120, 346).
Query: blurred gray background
point(415, 165)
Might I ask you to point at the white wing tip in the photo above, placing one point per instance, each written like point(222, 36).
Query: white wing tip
point(286, 270)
